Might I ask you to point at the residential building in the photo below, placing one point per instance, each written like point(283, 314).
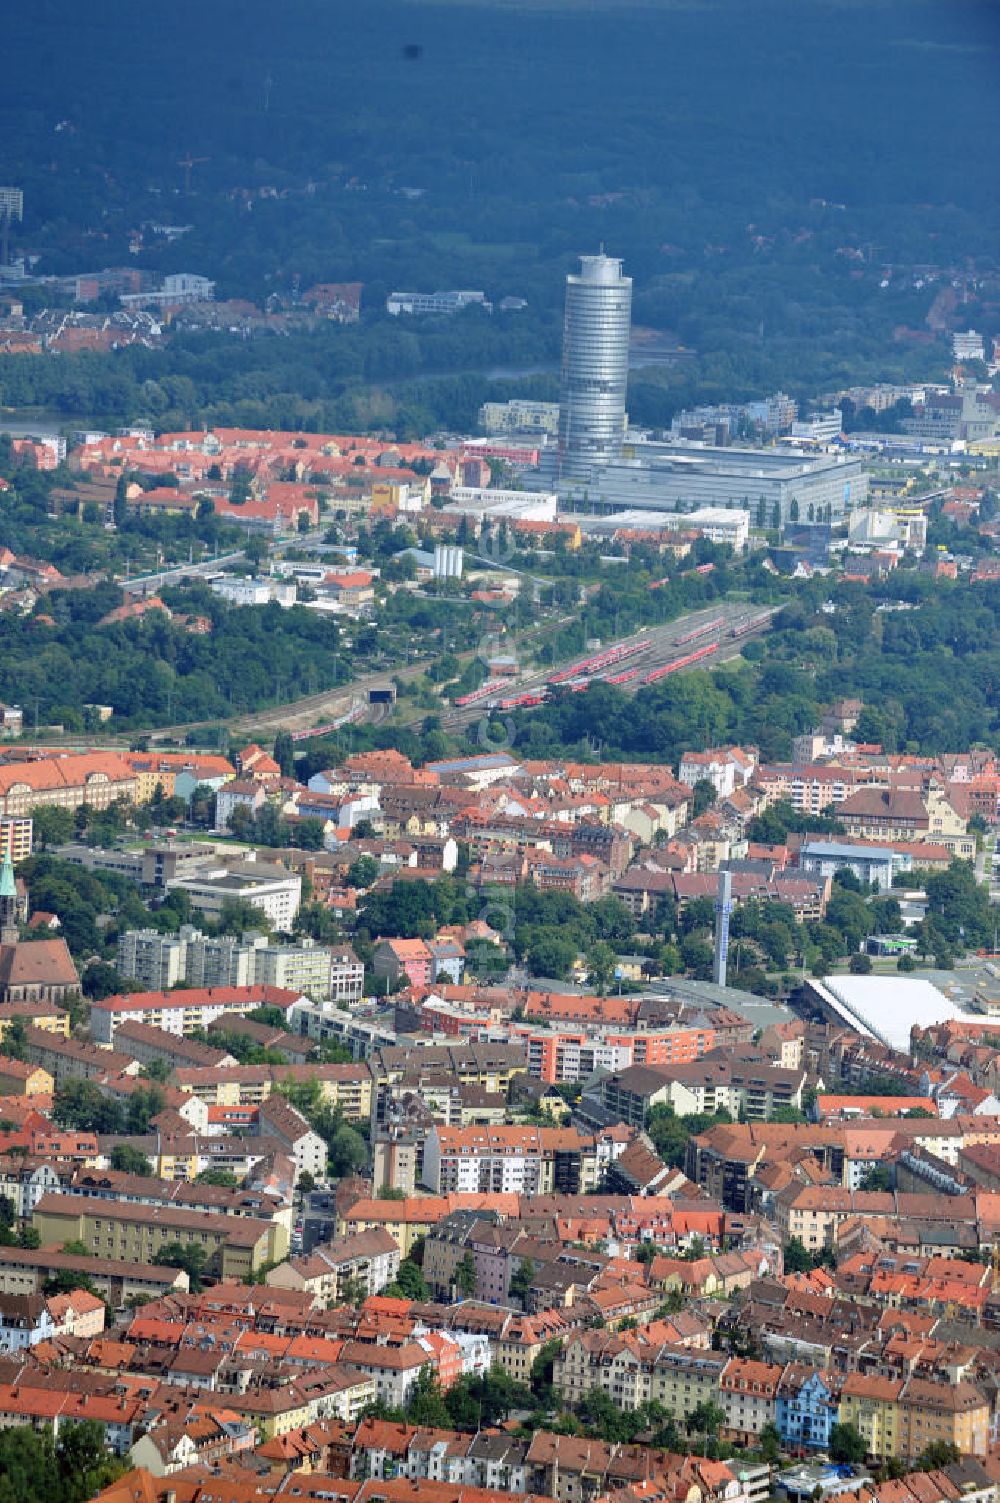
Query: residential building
point(258, 591)
point(154, 959)
point(20, 1079)
point(50, 1410)
point(45, 1016)
point(146, 1043)
point(748, 1395)
point(398, 958)
point(726, 769)
point(805, 1408)
point(520, 415)
point(716, 1082)
point(507, 1160)
point(277, 1119)
point(242, 794)
point(182, 1011)
point(361, 1263)
point(160, 961)
point(235, 1245)
point(73, 1059)
point(965, 344)
point(16, 830)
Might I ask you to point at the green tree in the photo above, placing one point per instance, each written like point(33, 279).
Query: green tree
point(427, 1404)
point(129, 1160)
point(465, 1276)
point(284, 753)
point(362, 872)
point(551, 955)
point(704, 795)
point(770, 1443)
point(347, 1149)
point(187, 1255)
point(521, 1281)
point(159, 1070)
point(601, 964)
point(787, 1114)
point(101, 980)
point(236, 915)
point(847, 1445)
point(51, 825)
point(705, 1419)
point(409, 1283)
point(121, 502)
point(224, 1178)
point(797, 1257)
point(15, 1040)
point(939, 1453)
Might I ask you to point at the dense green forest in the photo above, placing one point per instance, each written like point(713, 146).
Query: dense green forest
point(778, 179)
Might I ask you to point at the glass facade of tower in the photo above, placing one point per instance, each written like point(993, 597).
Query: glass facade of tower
point(595, 365)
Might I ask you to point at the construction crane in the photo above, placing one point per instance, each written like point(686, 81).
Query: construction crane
point(187, 163)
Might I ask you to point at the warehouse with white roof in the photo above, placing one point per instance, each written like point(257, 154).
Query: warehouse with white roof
point(885, 1008)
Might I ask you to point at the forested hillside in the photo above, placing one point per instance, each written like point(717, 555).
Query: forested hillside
point(749, 163)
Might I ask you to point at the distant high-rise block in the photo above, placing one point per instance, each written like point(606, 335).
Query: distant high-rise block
point(594, 365)
point(11, 203)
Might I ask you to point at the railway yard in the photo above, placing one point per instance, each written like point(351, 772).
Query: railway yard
point(703, 637)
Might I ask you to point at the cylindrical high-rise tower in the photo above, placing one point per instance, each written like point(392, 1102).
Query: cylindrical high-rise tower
point(594, 365)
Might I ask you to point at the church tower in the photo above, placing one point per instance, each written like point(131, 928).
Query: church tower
point(9, 927)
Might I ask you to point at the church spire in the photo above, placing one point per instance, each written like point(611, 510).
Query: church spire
point(9, 929)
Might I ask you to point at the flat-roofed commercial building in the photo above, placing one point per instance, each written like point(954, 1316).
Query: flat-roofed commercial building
point(774, 486)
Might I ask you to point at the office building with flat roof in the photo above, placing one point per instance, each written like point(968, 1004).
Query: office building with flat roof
point(594, 365)
point(774, 486)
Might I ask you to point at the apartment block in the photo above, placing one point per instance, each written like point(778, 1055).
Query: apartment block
point(182, 1011)
point(160, 961)
point(506, 1160)
point(234, 1245)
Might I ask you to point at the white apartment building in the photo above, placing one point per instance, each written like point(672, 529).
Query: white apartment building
point(748, 1394)
point(12, 202)
point(301, 968)
point(220, 961)
point(821, 428)
point(347, 978)
point(177, 1012)
point(155, 960)
point(965, 345)
point(273, 889)
point(246, 591)
point(508, 1160)
point(435, 302)
point(520, 415)
point(726, 768)
point(243, 794)
point(160, 961)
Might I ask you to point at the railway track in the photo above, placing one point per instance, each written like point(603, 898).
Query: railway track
point(643, 659)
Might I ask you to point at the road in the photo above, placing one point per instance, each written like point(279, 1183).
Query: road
point(148, 584)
